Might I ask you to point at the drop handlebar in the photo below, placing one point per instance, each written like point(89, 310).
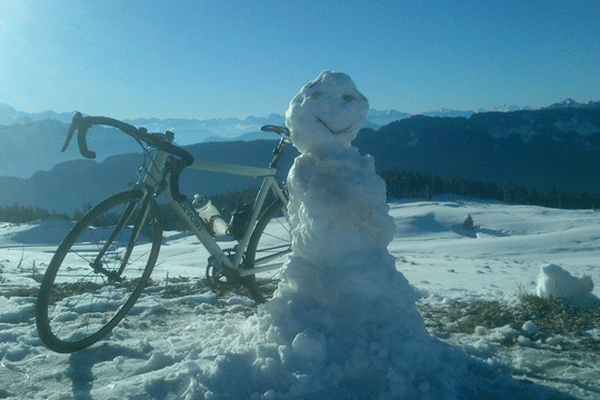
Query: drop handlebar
point(82, 124)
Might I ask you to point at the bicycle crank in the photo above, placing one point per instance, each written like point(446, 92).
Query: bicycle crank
point(219, 275)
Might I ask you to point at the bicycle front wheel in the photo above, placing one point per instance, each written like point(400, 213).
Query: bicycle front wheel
point(98, 271)
point(268, 248)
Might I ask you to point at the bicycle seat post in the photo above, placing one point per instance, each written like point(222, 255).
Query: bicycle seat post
point(278, 153)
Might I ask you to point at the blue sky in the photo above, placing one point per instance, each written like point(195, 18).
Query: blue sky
point(217, 59)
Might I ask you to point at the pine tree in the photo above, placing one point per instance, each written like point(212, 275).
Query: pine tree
point(468, 224)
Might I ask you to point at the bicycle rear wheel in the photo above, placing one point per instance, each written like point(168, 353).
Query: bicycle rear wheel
point(269, 246)
point(98, 271)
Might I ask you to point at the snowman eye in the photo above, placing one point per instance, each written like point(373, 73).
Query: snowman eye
point(315, 95)
point(348, 97)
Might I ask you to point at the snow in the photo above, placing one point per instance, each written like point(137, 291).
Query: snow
point(171, 346)
point(343, 322)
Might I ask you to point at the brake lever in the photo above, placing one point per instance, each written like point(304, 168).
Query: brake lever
point(77, 124)
point(72, 128)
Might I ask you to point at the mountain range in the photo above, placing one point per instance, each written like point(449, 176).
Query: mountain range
point(208, 129)
point(553, 147)
point(29, 142)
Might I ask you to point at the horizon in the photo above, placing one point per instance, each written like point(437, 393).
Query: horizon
point(215, 59)
point(502, 108)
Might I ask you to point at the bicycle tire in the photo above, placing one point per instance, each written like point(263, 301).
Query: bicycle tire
point(78, 305)
point(271, 240)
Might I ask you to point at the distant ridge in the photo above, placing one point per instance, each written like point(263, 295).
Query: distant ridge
point(234, 127)
point(570, 103)
point(555, 147)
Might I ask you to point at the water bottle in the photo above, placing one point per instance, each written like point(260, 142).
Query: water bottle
point(210, 215)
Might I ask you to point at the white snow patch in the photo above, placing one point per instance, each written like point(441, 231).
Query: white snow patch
point(196, 335)
point(554, 281)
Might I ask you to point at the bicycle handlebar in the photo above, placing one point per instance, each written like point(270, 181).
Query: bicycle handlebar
point(280, 130)
point(83, 124)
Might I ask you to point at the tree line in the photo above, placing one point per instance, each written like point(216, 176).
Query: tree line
point(414, 185)
point(18, 214)
point(400, 185)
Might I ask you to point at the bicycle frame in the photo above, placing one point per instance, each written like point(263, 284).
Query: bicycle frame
point(155, 178)
point(112, 276)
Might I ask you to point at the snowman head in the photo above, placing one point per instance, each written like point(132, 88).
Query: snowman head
point(328, 110)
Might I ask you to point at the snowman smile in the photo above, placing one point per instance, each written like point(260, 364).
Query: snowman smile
point(331, 130)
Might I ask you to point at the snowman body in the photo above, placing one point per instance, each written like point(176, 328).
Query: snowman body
point(338, 203)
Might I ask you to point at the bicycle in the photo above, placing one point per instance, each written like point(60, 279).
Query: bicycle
point(103, 264)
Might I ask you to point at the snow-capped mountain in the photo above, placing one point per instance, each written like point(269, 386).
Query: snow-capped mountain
point(384, 117)
point(190, 131)
point(452, 113)
point(32, 142)
point(570, 103)
point(8, 116)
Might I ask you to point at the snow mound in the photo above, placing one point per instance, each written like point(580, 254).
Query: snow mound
point(554, 281)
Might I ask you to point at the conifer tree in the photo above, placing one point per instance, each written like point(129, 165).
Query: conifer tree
point(468, 224)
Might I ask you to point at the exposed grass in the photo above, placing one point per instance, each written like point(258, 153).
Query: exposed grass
point(551, 316)
point(19, 292)
point(555, 316)
point(63, 290)
point(182, 285)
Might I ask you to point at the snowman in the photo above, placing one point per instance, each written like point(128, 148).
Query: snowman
point(341, 311)
point(338, 208)
point(343, 322)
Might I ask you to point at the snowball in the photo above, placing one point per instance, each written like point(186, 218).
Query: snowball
point(554, 281)
point(157, 361)
point(526, 342)
point(530, 328)
point(309, 347)
point(481, 331)
point(483, 348)
point(506, 332)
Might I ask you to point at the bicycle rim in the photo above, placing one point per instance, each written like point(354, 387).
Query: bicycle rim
point(270, 244)
point(98, 272)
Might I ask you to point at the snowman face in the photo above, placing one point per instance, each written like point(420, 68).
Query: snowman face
point(329, 110)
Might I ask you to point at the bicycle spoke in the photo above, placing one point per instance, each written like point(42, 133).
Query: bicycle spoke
point(97, 273)
point(269, 246)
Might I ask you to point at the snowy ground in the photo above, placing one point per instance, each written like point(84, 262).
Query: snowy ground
point(166, 347)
